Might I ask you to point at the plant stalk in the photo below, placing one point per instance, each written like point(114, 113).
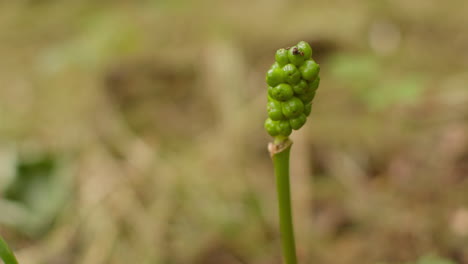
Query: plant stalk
point(280, 155)
point(6, 254)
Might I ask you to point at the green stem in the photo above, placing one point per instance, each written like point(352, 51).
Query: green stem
point(6, 254)
point(280, 154)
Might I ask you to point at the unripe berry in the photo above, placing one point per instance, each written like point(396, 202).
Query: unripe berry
point(292, 83)
point(298, 122)
point(301, 87)
point(309, 70)
point(291, 74)
point(305, 48)
point(274, 110)
point(272, 127)
point(284, 128)
point(315, 84)
point(295, 56)
point(274, 66)
point(269, 98)
point(307, 97)
point(307, 109)
point(281, 57)
point(274, 76)
point(281, 92)
point(293, 107)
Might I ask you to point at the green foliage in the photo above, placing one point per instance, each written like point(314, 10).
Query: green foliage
point(433, 260)
point(365, 76)
point(293, 80)
point(35, 194)
point(6, 254)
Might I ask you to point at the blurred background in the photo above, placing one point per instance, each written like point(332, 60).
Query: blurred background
point(132, 131)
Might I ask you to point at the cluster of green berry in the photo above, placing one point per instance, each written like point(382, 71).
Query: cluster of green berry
point(292, 81)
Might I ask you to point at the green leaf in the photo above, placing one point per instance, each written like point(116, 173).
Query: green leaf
point(6, 254)
point(434, 260)
point(40, 188)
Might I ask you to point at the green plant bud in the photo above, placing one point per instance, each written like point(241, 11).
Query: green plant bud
point(293, 107)
point(309, 70)
point(274, 66)
point(291, 74)
point(307, 97)
point(315, 84)
point(295, 56)
point(274, 76)
point(284, 128)
point(274, 110)
point(298, 122)
point(269, 93)
point(305, 48)
point(272, 127)
point(292, 83)
point(281, 57)
point(281, 92)
point(301, 87)
point(269, 98)
point(307, 109)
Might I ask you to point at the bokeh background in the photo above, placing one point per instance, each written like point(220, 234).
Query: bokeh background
point(132, 131)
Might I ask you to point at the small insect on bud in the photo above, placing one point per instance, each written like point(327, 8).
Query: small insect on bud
point(296, 56)
point(305, 48)
point(281, 92)
point(274, 76)
point(274, 110)
point(291, 74)
point(281, 57)
point(298, 122)
point(293, 107)
point(309, 70)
